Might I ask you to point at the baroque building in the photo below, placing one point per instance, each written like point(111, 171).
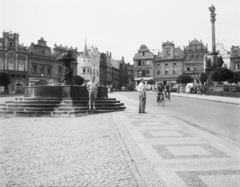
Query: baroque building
point(41, 63)
point(194, 56)
point(59, 69)
point(235, 58)
point(224, 54)
point(168, 64)
point(109, 69)
point(14, 61)
point(143, 65)
point(115, 74)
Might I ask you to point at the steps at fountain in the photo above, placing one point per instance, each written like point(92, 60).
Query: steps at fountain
point(67, 107)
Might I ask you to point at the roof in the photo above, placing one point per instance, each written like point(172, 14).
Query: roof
point(85, 52)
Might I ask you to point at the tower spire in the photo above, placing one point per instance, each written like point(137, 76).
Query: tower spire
point(85, 52)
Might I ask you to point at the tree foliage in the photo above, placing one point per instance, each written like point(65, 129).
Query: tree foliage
point(221, 74)
point(42, 82)
point(203, 78)
point(184, 79)
point(4, 79)
point(236, 77)
point(78, 80)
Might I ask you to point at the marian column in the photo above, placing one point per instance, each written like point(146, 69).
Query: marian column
point(214, 53)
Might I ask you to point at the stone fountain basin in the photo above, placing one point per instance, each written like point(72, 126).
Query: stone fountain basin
point(59, 92)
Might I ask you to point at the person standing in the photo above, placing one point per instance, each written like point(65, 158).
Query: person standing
point(92, 88)
point(168, 90)
point(142, 97)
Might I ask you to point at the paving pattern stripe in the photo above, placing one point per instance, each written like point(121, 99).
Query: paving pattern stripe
point(145, 169)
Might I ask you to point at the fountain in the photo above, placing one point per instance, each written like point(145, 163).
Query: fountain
point(67, 100)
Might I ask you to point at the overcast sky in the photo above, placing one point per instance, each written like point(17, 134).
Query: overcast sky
point(121, 26)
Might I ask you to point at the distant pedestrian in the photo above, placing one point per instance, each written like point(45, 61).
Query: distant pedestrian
point(142, 97)
point(92, 88)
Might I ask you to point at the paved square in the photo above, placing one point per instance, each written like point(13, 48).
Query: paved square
point(221, 180)
point(188, 150)
point(176, 151)
point(165, 133)
point(151, 123)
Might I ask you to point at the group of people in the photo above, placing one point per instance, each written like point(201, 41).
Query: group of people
point(161, 89)
point(199, 89)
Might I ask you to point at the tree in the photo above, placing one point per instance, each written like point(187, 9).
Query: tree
point(221, 74)
point(236, 77)
point(184, 79)
point(203, 78)
point(78, 80)
point(4, 81)
point(42, 82)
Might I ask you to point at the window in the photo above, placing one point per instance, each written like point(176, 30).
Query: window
point(158, 65)
point(147, 73)
point(139, 63)
point(59, 70)
point(158, 72)
point(139, 73)
point(49, 70)
point(174, 71)
point(200, 68)
point(84, 70)
point(143, 63)
point(166, 71)
point(10, 44)
point(42, 51)
point(188, 69)
point(148, 63)
point(168, 52)
point(21, 65)
point(41, 69)
point(194, 68)
point(143, 54)
point(166, 64)
point(11, 55)
point(174, 64)
point(94, 72)
point(97, 72)
point(238, 66)
point(34, 68)
point(87, 70)
point(10, 64)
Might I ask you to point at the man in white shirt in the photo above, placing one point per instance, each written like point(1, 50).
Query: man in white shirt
point(92, 88)
point(142, 97)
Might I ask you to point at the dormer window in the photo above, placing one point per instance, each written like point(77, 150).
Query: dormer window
point(11, 44)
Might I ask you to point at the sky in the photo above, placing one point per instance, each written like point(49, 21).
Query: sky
point(121, 26)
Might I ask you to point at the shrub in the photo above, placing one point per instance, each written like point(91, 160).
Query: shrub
point(221, 74)
point(41, 82)
point(78, 80)
point(184, 79)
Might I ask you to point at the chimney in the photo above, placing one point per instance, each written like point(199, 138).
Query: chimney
point(110, 55)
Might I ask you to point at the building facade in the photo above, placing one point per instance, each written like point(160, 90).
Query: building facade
point(168, 64)
point(41, 63)
point(14, 61)
point(59, 69)
point(88, 64)
point(235, 58)
point(130, 73)
point(103, 69)
point(143, 65)
point(123, 76)
point(194, 55)
point(225, 55)
point(115, 74)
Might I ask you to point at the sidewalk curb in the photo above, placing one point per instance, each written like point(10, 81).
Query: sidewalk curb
point(204, 99)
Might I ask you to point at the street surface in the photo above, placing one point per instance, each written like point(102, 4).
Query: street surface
point(220, 118)
point(170, 146)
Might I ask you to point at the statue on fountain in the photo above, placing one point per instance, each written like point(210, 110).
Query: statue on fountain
point(67, 58)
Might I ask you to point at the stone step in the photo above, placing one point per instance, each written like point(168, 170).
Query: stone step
point(57, 102)
point(61, 113)
point(50, 105)
point(56, 99)
point(32, 109)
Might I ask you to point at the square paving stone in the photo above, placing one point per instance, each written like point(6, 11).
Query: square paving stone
point(150, 123)
point(188, 151)
point(212, 178)
point(164, 134)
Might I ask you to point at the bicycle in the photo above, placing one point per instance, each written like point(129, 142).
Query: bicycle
point(161, 99)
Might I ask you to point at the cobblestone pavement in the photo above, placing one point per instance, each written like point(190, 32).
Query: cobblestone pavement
point(169, 152)
point(82, 151)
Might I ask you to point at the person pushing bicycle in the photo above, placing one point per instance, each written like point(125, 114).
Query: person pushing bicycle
point(160, 90)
